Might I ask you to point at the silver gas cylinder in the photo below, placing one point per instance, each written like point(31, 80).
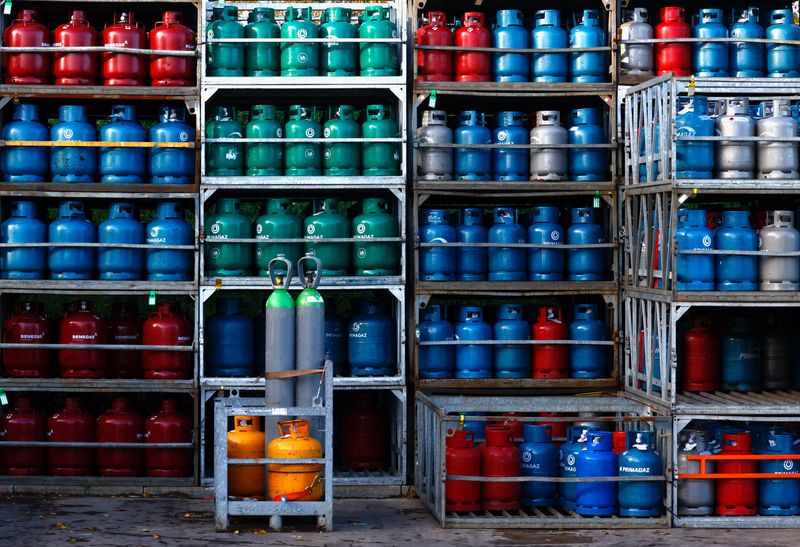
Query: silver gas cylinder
point(435, 163)
point(778, 159)
point(636, 59)
point(548, 163)
point(735, 159)
point(779, 273)
point(695, 496)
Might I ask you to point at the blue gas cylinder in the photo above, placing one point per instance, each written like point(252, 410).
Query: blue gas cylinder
point(25, 163)
point(587, 361)
point(585, 264)
point(653, 133)
point(736, 273)
point(710, 58)
point(694, 160)
point(435, 361)
point(740, 356)
point(228, 340)
point(695, 272)
point(120, 227)
point(588, 67)
point(122, 165)
point(782, 60)
point(546, 264)
point(471, 262)
point(548, 34)
point(478, 427)
point(23, 227)
point(473, 361)
point(510, 164)
point(506, 263)
point(172, 165)
point(71, 226)
point(747, 58)
point(437, 263)
point(509, 33)
point(511, 361)
point(640, 499)
point(472, 163)
point(68, 163)
point(596, 498)
point(336, 341)
point(587, 164)
point(539, 458)
point(169, 228)
point(567, 456)
point(370, 348)
point(778, 496)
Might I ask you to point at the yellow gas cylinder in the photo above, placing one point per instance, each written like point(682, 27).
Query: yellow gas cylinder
point(294, 482)
point(246, 441)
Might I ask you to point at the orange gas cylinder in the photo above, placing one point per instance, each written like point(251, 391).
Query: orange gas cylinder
point(246, 441)
point(294, 482)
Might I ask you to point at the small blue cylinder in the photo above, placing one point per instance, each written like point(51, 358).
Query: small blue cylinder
point(747, 58)
point(640, 499)
point(473, 361)
point(169, 228)
point(506, 263)
point(710, 58)
point(370, 349)
point(567, 456)
point(511, 361)
point(778, 496)
point(587, 361)
point(471, 262)
point(228, 340)
point(172, 165)
point(23, 227)
point(511, 164)
point(548, 34)
point(588, 67)
point(694, 160)
point(120, 227)
point(472, 163)
point(587, 164)
point(695, 272)
point(740, 356)
point(68, 163)
point(546, 265)
point(510, 33)
point(596, 498)
point(736, 273)
point(436, 263)
point(588, 264)
point(782, 60)
point(435, 361)
point(539, 458)
point(25, 163)
point(122, 165)
point(71, 226)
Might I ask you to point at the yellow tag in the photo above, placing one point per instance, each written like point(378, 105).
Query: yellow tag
point(692, 85)
point(218, 283)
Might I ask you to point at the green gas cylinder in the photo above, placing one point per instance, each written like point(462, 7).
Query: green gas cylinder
point(277, 222)
point(327, 223)
point(338, 59)
point(224, 159)
point(264, 159)
point(375, 221)
point(225, 59)
point(380, 159)
point(227, 222)
point(342, 159)
point(299, 58)
point(262, 59)
point(378, 59)
point(303, 159)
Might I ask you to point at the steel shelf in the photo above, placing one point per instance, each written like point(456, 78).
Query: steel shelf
point(515, 384)
point(273, 83)
point(98, 190)
point(94, 286)
point(738, 403)
point(716, 298)
point(139, 93)
point(716, 187)
point(92, 481)
point(516, 288)
point(339, 382)
point(518, 89)
point(104, 385)
point(503, 188)
point(304, 183)
point(392, 283)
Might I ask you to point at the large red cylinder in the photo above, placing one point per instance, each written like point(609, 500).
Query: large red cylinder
point(516, 427)
point(366, 432)
point(736, 497)
point(700, 362)
point(167, 327)
point(473, 66)
point(22, 424)
point(80, 325)
point(435, 66)
point(675, 58)
point(119, 425)
point(500, 458)
point(168, 426)
point(559, 429)
point(171, 34)
point(27, 68)
point(462, 457)
point(123, 68)
point(550, 361)
point(27, 325)
point(71, 425)
point(75, 68)
point(124, 328)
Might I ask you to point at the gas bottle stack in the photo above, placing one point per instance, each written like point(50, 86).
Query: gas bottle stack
point(304, 150)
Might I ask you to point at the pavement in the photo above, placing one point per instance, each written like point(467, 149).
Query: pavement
point(129, 521)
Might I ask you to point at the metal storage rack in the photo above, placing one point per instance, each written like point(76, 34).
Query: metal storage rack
point(317, 90)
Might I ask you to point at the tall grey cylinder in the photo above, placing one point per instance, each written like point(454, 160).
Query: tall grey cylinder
point(279, 337)
point(310, 342)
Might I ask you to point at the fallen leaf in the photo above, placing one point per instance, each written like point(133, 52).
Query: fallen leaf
point(62, 526)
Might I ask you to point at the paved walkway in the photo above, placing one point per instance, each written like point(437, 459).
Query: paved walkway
point(38, 521)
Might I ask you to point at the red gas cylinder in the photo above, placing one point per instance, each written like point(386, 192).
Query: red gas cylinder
point(736, 497)
point(366, 432)
point(75, 68)
point(550, 361)
point(435, 66)
point(759, 219)
point(23, 423)
point(124, 328)
point(27, 68)
point(700, 362)
point(168, 426)
point(71, 425)
point(473, 66)
point(171, 34)
point(500, 458)
point(619, 442)
point(122, 68)
point(462, 457)
point(27, 325)
point(517, 428)
point(713, 219)
point(167, 327)
point(119, 425)
point(671, 57)
point(559, 428)
point(80, 325)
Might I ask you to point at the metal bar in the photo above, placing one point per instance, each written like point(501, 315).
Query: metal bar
point(304, 140)
point(57, 50)
point(332, 41)
point(48, 444)
point(615, 478)
point(711, 40)
point(513, 343)
point(515, 245)
point(95, 144)
point(150, 246)
point(121, 347)
point(503, 50)
point(299, 240)
point(605, 146)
